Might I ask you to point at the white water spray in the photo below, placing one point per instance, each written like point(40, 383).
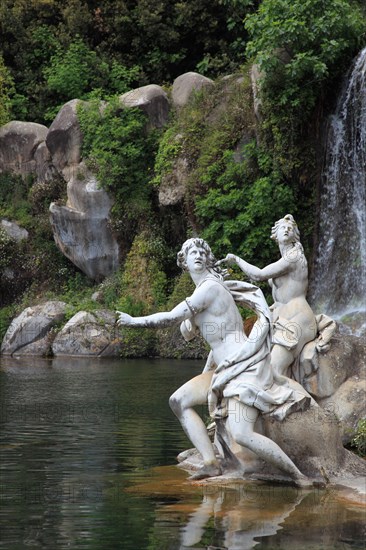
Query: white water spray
point(339, 278)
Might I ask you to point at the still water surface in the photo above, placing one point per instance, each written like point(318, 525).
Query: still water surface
point(88, 450)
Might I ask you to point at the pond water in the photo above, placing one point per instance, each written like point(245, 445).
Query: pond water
point(88, 453)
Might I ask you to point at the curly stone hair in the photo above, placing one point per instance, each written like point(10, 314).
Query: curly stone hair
point(200, 243)
point(289, 219)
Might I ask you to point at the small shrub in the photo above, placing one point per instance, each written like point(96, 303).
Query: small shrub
point(359, 440)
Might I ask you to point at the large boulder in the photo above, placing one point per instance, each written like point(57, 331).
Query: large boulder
point(88, 334)
point(152, 100)
point(27, 333)
point(185, 85)
point(18, 145)
point(336, 378)
point(81, 228)
point(64, 138)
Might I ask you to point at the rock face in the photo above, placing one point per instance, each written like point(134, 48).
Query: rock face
point(14, 230)
point(312, 440)
point(81, 228)
point(152, 100)
point(185, 85)
point(173, 185)
point(64, 138)
point(88, 334)
point(28, 332)
point(337, 378)
point(19, 142)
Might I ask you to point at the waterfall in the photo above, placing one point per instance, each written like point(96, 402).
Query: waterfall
point(339, 278)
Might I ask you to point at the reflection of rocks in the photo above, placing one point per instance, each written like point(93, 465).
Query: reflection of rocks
point(88, 333)
point(28, 333)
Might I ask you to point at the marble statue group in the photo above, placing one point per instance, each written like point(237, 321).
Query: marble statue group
point(245, 376)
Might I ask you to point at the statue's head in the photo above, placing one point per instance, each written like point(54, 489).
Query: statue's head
point(199, 243)
point(289, 222)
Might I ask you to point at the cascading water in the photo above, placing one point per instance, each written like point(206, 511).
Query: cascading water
point(339, 277)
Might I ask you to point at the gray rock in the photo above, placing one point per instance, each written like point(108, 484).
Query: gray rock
point(81, 228)
point(89, 334)
point(152, 100)
point(185, 85)
point(18, 144)
point(349, 405)
point(45, 170)
point(14, 230)
point(31, 326)
point(64, 138)
point(337, 378)
point(173, 185)
point(255, 76)
point(312, 439)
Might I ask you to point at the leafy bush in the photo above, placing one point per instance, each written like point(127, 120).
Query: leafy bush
point(79, 72)
point(237, 215)
point(359, 440)
point(120, 150)
point(6, 89)
point(301, 48)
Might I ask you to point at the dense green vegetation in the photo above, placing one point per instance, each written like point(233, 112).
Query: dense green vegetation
point(241, 174)
point(56, 50)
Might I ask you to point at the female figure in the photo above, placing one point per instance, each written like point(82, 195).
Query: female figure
point(294, 322)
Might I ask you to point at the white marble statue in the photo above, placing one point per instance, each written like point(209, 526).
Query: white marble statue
point(294, 323)
point(237, 381)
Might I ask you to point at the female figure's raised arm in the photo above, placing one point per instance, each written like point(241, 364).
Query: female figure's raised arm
point(271, 271)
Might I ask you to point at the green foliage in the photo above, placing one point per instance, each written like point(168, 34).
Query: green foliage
point(143, 283)
point(120, 151)
point(359, 440)
point(238, 213)
point(213, 122)
point(300, 47)
point(6, 88)
point(143, 291)
point(170, 147)
point(137, 342)
point(43, 43)
point(8, 251)
point(6, 315)
point(43, 193)
point(72, 72)
point(78, 72)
